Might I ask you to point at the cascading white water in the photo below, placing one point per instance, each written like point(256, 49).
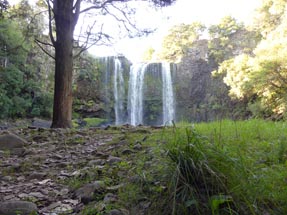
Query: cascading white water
point(106, 85)
point(135, 97)
point(119, 92)
point(167, 95)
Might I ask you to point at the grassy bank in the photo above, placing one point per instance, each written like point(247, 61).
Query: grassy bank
point(229, 167)
point(217, 168)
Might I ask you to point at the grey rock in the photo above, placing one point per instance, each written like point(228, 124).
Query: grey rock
point(127, 151)
point(110, 197)
point(2, 153)
point(18, 207)
point(138, 147)
point(7, 178)
point(12, 143)
point(112, 159)
point(96, 162)
point(37, 175)
point(87, 192)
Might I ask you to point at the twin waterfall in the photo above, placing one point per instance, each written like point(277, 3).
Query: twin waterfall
point(119, 93)
point(167, 95)
point(131, 108)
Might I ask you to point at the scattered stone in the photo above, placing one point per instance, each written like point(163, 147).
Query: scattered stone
point(110, 198)
point(138, 147)
point(116, 187)
point(112, 159)
point(6, 178)
point(18, 207)
point(144, 205)
point(63, 209)
point(37, 195)
point(40, 138)
point(116, 212)
point(9, 197)
point(44, 181)
point(53, 206)
point(96, 162)
point(101, 155)
point(42, 176)
point(71, 201)
point(86, 193)
point(127, 152)
point(37, 175)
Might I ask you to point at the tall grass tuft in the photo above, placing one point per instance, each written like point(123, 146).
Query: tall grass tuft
point(229, 168)
point(199, 188)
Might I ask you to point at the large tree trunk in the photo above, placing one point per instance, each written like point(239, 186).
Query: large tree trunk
point(65, 24)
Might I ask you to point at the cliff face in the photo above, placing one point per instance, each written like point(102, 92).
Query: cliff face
point(199, 96)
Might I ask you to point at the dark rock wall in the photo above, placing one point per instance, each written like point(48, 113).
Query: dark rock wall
point(199, 96)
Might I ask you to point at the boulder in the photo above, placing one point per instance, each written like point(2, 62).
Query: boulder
point(17, 207)
point(12, 143)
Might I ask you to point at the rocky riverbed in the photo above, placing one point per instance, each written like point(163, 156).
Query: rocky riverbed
point(66, 171)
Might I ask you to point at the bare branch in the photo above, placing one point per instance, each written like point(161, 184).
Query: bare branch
point(102, 5)
point(44, 43)
point(44, 50)
point(77, 8)
point(126, 17)
point(118, 20)
point(89, 45)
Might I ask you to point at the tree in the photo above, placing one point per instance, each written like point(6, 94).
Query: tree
point(4, 4)
point(261, 77)
point(221, 45)
point(268, 16)
point(179, 39)
point(14, 89)
point(63, 17)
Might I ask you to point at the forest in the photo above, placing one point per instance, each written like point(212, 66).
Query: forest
point(200, 130)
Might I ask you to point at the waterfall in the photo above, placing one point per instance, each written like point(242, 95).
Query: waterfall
point(119, 92)
point(167, 95)
point(135, 96)
point(106, 83)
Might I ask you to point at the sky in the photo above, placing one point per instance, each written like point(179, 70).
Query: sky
point(183, 11)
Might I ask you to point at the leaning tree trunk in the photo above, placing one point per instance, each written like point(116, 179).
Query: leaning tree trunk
point(65, 24)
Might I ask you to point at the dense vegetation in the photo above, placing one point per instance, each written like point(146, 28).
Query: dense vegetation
point(26, 72)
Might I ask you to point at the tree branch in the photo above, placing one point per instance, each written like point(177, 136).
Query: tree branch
point(50, 23)
point(88, 45)
point(102, 5)
point(44, 50)
point(77, 8)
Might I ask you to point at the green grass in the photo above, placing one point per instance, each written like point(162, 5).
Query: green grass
point(217, 168)
point(229, 167)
